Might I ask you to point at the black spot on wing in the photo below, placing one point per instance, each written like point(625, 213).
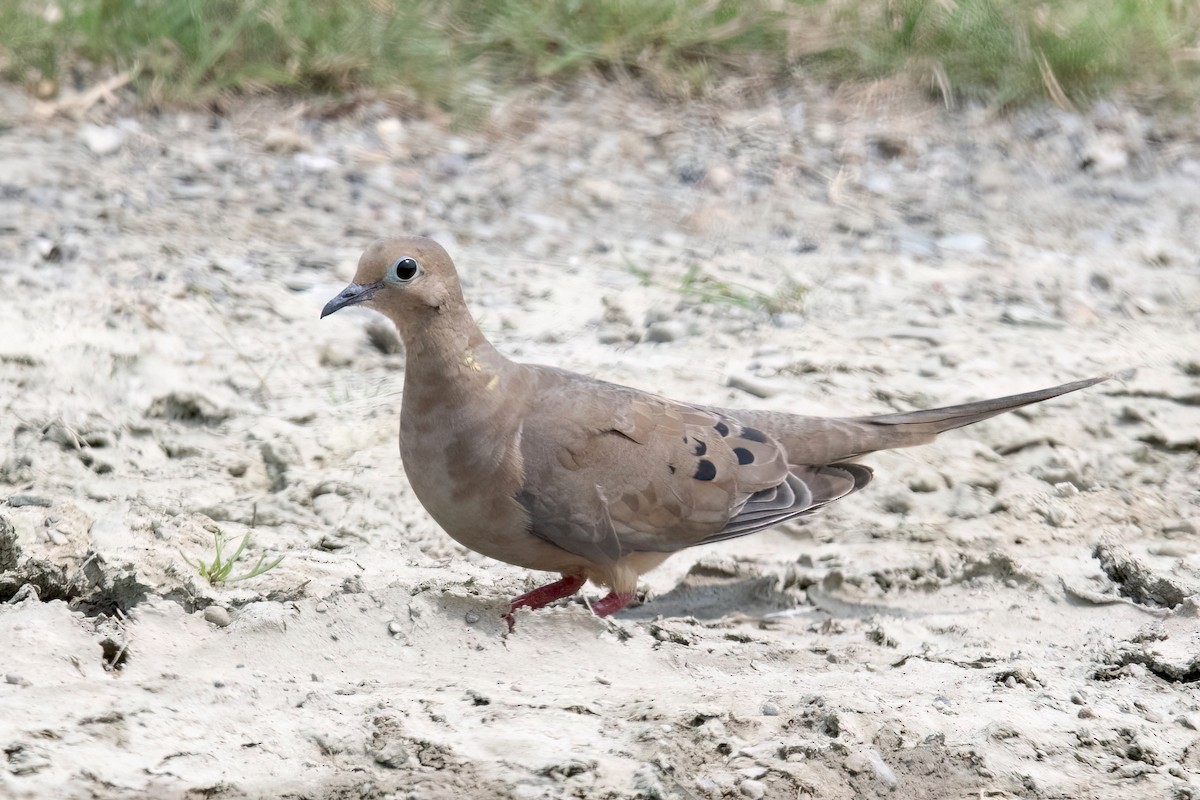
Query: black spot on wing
point(744, 456)
point(705, 470)
point(700, 449)
point(721, 428)
point(754, 435)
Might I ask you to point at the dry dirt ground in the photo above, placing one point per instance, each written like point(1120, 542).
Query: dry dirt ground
point(1011, 612)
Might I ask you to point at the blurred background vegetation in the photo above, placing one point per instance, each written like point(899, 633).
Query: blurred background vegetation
point(464, 53)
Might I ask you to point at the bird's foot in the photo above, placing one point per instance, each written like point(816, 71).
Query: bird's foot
point(544, 595)
point(611, 603)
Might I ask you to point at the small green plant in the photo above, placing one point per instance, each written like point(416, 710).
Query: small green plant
point(788, 297)
point(218, 570)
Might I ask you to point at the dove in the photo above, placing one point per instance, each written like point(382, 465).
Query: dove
point(559, 472)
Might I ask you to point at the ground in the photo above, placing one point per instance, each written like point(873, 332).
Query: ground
point(1009, 612)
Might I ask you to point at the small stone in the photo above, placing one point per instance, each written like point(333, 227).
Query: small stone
point(752, 385)
point(321, 607)
point(752, 789)
point(870, 761)
point(383, 337)
point(1056, 514)
point(926, 480)
point(102, 140)
point(604, 193)
point(395, 628)
point(21, 500)
point(719, 177)
point(471, 617)
point(57, 537)
point(1187, 527)
point(285, 140)
point(769, 709)
point(337, 354)
point(856, 763)
point(1190, 722)
point(15, 679)
point(879, 183)
point(1104, 155)
point(1171, 549)
point(1086, 713)
point(217, 616)
point(617, 334)
point(315, 163)
point(669, 331)
point(826, 133)
point(392, 755)
point(963, 243)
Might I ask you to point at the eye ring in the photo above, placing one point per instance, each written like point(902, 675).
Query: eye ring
point(403, 270)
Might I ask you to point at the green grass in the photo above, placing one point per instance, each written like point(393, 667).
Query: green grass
point(220, 568)
point(462, 53)
point(1008, 52)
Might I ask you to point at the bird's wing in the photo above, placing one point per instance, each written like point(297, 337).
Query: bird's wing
point(610, 470)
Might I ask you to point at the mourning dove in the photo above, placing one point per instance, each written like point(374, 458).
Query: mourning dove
point(555, 471)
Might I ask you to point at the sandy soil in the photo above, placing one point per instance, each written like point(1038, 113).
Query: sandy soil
point(1011, 612)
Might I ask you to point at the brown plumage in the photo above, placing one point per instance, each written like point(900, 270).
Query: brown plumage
point(555, 471)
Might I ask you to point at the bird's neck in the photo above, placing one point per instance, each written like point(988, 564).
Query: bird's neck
point(448, 358)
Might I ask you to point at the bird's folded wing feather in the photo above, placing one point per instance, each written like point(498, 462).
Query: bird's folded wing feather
point(610, 470)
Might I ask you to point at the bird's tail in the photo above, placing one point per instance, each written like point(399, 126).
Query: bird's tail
point(828, 440)
point(948, 418)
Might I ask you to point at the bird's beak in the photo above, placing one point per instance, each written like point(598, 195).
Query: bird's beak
point(354, 293)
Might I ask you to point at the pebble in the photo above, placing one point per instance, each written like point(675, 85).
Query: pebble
point(321, 607)
point(1171, 549)
point(1185, 526)
point(719, 177)
point(617, 334)
point(963, 243)
point(471, 617)
point(1056, 514)
point(395, 628)
point(925, 479)
point(870, 761)
point(21, 500)
point(15, 679)
point(669, 331)
point(752, 385)
point(752, 789)
point(314, 163)
point(1104, 155)
point(769, 709)
point(217, 616)
point(102, 140)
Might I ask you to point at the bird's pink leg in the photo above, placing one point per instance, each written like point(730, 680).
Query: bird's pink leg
point(544, 595)
point(611, 603)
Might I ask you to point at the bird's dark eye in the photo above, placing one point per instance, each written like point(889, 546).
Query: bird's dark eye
point(403, 270)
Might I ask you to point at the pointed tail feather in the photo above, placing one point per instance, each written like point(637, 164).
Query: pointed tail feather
point(948, 418)
point(828, 440)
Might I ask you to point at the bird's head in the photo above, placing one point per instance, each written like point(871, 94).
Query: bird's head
point(402, 278)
